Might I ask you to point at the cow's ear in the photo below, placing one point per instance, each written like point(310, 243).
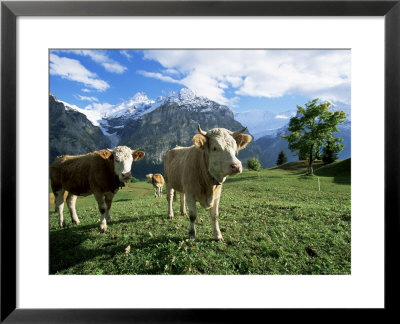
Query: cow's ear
point(199, 140)
point(242, 140)
point(138, 155)
point(110, 154)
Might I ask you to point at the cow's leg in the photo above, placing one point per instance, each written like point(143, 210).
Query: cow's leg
point(191, 202)
point(71, 202)
point(108, 198)
point(155, 191)
point(101, 202)
point(59, 201)
point(183, 204)
point(160, 191)
point(170, 197)
point(214, 220)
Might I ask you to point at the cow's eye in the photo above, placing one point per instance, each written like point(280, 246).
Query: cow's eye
point(215, 148)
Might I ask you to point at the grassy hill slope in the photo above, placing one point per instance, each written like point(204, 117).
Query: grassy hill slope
point(274, 222)
point(298, 166)
point(341, 168)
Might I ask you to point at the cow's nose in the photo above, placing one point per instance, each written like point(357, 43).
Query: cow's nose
point(126, 175)
point(236, 167)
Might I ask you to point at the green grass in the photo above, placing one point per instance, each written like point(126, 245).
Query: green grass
point(339, 170)
point(274, 222)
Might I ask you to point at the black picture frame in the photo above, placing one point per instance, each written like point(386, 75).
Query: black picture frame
point(10, 10)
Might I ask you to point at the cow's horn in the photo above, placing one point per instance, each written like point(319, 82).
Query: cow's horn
point(239, 132)
point(200, 130)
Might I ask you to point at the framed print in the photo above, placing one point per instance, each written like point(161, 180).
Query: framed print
point(191, 54)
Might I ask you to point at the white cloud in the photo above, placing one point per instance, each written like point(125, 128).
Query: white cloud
point(158, 76)
point(86, 90)
point(282, 117)
point(257, 73)
point(114, 67)
point(126, 54)
point(87, 98)
point(100, 57)
point(171, 72)
point(73, 70)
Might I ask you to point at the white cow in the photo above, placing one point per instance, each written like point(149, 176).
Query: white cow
point(199, 171)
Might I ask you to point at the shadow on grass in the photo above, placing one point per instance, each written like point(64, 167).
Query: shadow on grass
point(66, 248)
point(122, 200)
point(342, 180)
point(337, 180)
point(66, 245)
point(339, 170)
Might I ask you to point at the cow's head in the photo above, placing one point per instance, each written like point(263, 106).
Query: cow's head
point(123, 157)
point(149, 177)
point(221, 146)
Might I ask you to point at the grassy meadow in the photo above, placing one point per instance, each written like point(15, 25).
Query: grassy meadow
point(274, 221)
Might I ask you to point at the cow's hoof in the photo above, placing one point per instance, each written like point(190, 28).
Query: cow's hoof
point(192, 235)
point(77, 223)
point(103, 228)
point(62, 224)
point(170, 216)
point(219, 238)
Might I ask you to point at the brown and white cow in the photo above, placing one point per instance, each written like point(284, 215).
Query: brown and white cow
point(158, 183)
point(199, 171)
point(100, 173)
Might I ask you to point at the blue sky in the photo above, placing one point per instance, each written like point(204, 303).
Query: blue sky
point(274, 80)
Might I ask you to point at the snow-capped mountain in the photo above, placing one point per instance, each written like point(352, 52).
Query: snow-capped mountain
point(188, 100)
point(140, 104)
point(111, 118)
point(71, 132)
point(135, 107)
point(157, 125)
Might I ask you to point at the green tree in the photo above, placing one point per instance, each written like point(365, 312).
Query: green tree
point(302, 155)
point(331, 150)
point(133, 180)
point(254, 164)
point(282, 158)
point(311, 128)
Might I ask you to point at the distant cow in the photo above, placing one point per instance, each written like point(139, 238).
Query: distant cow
point(100, 173)
point(199, 171)
point(158, 183)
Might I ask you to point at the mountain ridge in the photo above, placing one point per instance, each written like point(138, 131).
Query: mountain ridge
point(70, 132)
point(156, 126)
